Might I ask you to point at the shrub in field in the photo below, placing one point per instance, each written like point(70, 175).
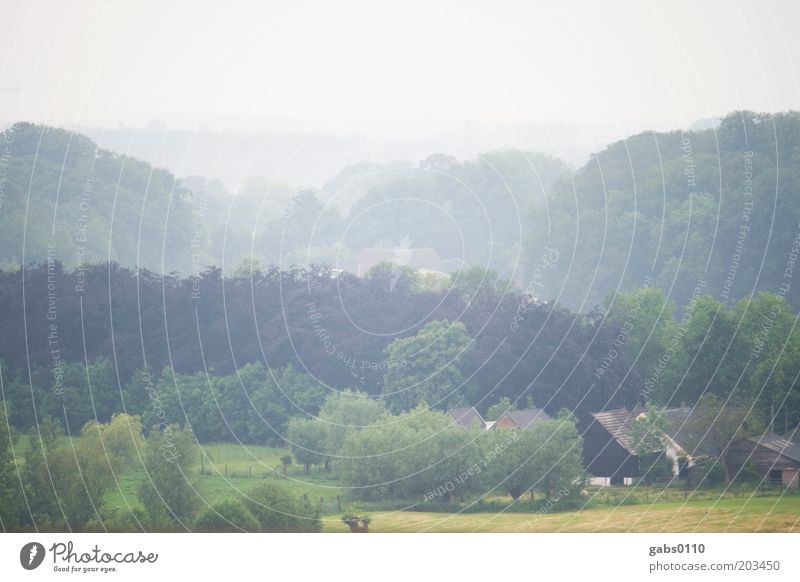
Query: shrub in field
point(278, 509)
point(228, 515)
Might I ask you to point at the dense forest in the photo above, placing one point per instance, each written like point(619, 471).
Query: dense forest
point(283, 337)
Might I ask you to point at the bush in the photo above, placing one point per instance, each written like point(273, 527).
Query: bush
point(228, 515)
point(712, 474)
point(278, 509)
point(117, 520)
point(748, 475)
point(655, 467)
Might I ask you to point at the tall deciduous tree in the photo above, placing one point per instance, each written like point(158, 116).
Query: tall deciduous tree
point(712, 427)
point(427, 367)
point(168, 491)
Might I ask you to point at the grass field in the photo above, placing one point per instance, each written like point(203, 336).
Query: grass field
point(765, 514)
point(229, 470)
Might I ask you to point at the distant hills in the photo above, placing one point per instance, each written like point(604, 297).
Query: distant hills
point(719, 206)
point(669, 209)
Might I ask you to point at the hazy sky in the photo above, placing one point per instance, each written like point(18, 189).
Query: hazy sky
point(410, 64)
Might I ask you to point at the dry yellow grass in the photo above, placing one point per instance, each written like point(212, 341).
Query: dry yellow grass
point(727, 515)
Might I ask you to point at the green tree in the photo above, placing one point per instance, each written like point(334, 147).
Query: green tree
point(415, 455)
point(708, 355)
point(228, 515)
point(648, 431)
point(168, 490)
point(645, 320)
point(307, 438)
point(648, 434)
point(278, 509)
point(546, 456)
point(12, 504)
point(474, 281)
point(121, 440)
point(347, 410)
point(499, 408)
point(428, 367)
point(712, 427)
point(38, 481)
point(65, 484)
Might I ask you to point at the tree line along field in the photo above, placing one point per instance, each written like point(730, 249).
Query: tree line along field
point(229, 471)
point(610, 509)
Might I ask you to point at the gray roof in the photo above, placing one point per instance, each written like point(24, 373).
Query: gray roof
point(779, 444)
point(695, 441)
point(524, 418)
point(466, 417)
point(617, 423)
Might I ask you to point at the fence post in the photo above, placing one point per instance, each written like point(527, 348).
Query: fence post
point(250, 469)
point(226, 470)
point(338, 503)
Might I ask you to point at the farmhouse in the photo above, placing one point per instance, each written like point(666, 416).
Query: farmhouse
point(467, 417)
point(520, 418)
point(609, 450)
point(610, 457)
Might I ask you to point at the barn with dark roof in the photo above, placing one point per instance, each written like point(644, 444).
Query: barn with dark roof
point(608, 449)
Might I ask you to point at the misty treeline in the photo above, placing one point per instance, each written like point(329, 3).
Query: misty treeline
point(236, 357)
point(84, 204)
point(676, 208)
